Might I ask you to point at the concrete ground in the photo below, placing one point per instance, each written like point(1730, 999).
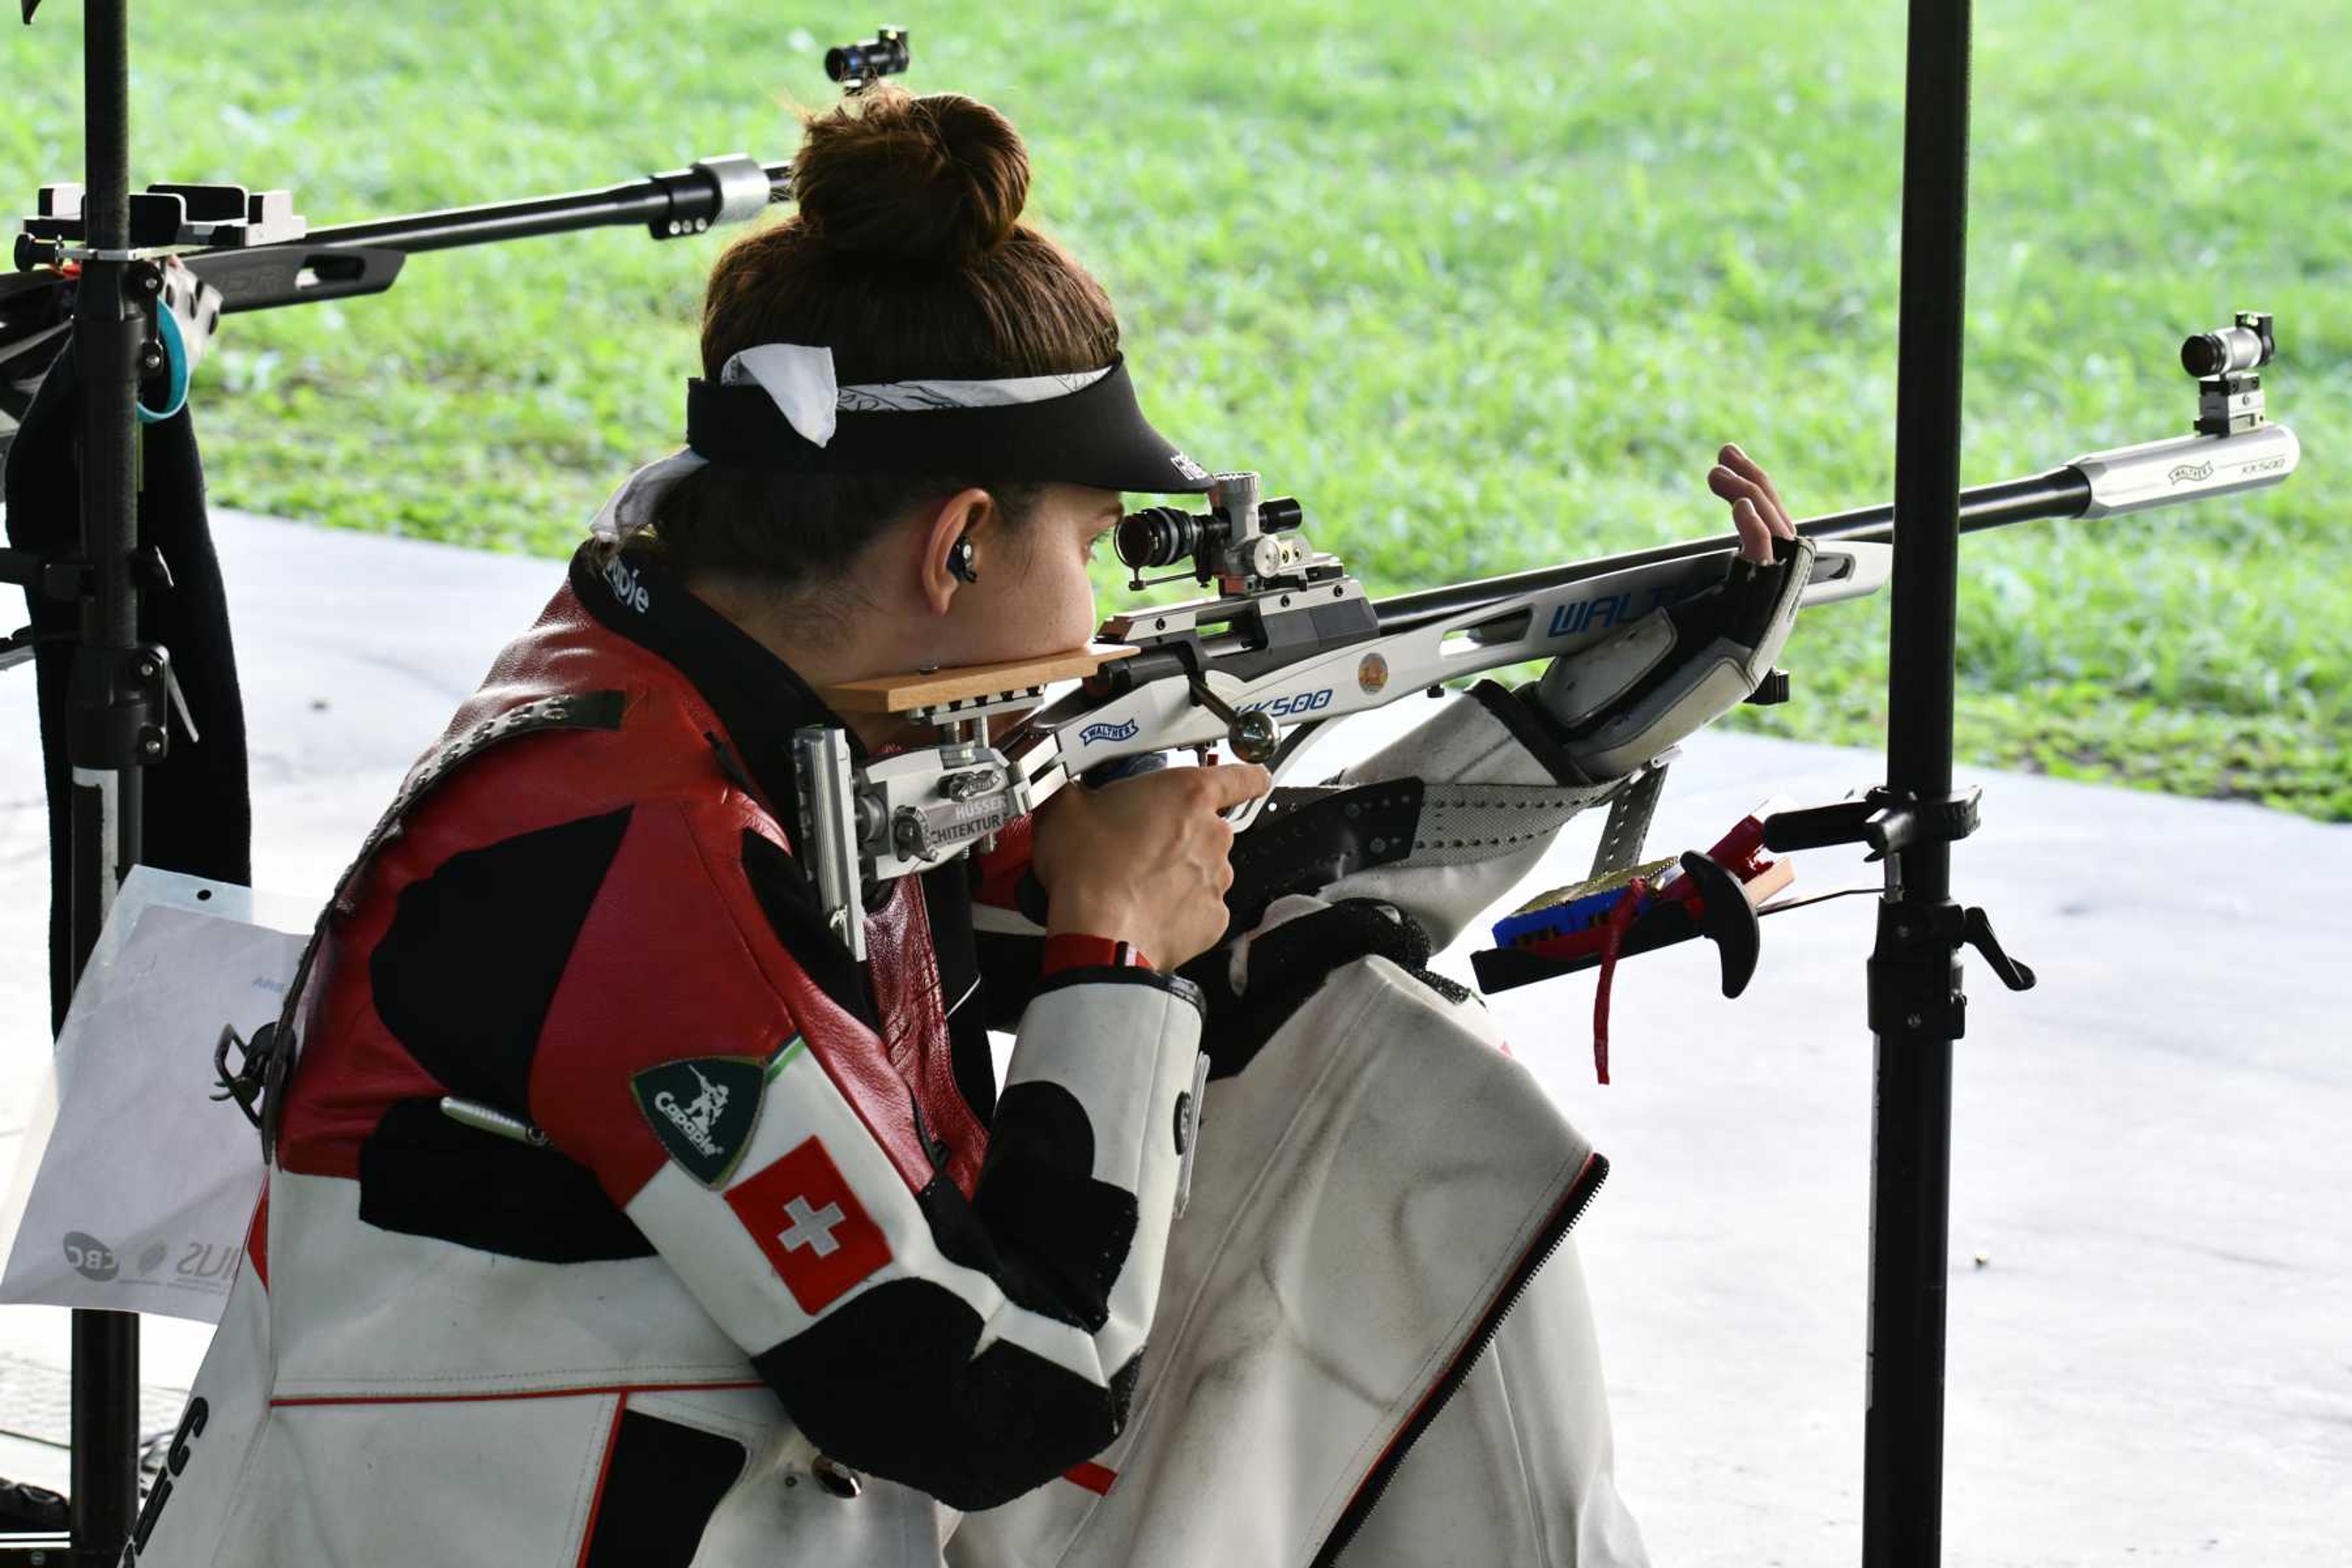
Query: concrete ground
point(2151, 1277)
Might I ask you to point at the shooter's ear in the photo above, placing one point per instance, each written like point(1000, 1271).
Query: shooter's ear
point(956, 518)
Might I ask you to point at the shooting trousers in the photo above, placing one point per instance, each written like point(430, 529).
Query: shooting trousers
point(1373, 1298)
point(1372, 1343)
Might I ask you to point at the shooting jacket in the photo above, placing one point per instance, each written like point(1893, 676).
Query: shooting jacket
point(775, 1273)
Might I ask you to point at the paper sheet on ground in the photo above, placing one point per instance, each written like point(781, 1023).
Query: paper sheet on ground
point(134, 1187)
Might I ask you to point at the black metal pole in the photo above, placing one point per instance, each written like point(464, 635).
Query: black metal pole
point(109, 331)
point(1915, 972)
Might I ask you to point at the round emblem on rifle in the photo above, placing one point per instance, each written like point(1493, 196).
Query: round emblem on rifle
point(1372, 674)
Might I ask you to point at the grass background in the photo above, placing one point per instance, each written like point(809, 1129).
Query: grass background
point(1485, 284)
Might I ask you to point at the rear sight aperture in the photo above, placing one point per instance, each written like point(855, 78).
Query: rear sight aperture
point(2230, 351)
point(1160, 536)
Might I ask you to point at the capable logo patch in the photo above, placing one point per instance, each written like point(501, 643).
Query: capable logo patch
point(703, 1110)
point(816, 1234)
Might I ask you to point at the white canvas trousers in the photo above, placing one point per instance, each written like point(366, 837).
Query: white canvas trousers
point(1372, 1288)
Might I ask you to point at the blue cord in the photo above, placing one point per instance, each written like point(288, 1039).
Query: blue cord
point(175, 366)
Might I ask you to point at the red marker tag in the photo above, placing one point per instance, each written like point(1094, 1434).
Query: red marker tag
point(814, 1231)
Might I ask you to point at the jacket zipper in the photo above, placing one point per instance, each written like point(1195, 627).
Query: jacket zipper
point(1571, 1208)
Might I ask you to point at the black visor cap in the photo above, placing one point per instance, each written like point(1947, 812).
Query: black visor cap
point(1096, 435)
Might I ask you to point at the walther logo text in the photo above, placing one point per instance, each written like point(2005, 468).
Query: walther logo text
point(1608, 610)
point(2189, 471)
point(1094, 732)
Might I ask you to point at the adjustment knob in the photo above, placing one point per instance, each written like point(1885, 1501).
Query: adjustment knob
point(1252, 736)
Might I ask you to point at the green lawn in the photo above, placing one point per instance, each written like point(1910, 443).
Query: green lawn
point(1484, 283)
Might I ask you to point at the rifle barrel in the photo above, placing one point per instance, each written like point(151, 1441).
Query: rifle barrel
point(2060, 492)
point(648, 200)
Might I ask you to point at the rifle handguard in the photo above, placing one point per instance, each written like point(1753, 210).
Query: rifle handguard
point(1630, 699)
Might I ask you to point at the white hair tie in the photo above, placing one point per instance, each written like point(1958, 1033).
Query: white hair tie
point(799, 379)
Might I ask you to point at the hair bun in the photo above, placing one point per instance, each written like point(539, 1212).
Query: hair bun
point(939, 179)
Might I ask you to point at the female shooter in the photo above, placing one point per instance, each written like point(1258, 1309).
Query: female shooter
point(615, 1214)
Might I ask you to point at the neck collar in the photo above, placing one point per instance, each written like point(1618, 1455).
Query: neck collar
point(759, 698)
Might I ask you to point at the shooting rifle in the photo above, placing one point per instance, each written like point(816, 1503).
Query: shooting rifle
point(261, 255)
point(1291, 643)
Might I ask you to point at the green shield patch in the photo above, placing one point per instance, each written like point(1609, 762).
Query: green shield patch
point(703, 1110)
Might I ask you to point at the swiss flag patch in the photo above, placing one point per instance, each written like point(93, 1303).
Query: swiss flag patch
point(812, 1226)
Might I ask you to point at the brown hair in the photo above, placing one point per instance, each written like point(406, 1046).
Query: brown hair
point(908, 259)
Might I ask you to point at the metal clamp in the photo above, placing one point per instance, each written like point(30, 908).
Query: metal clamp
point(120, 699)
point(258, 1083)
point(1913, 972)
point(1889, 821)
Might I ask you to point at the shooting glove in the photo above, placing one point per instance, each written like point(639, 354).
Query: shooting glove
point(1626, 700)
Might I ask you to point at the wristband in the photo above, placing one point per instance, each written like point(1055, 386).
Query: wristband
point(1076, 949)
